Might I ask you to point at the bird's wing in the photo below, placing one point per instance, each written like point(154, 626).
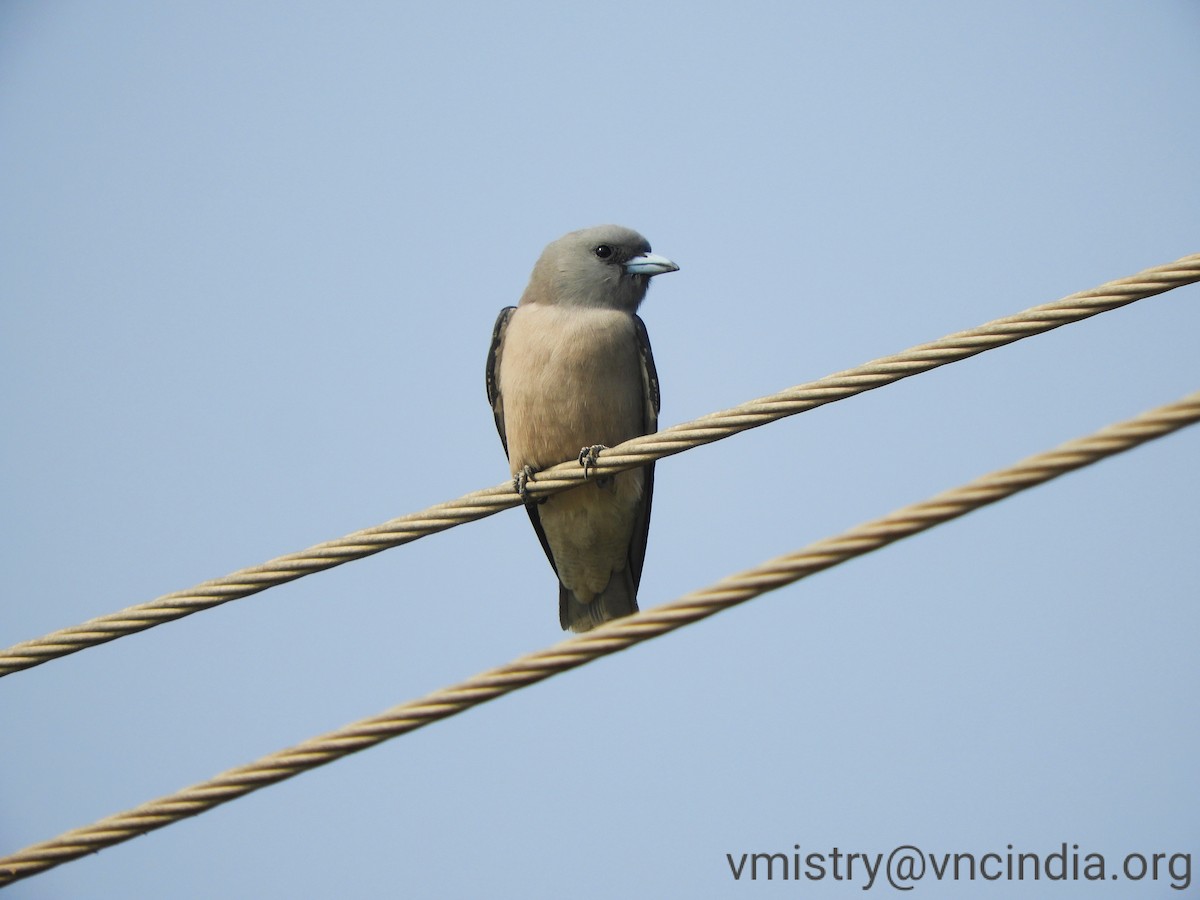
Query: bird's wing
point(493, 371)
point(650, 407)
point(495, 355)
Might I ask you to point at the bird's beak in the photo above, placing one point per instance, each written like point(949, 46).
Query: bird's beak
point(650, 264)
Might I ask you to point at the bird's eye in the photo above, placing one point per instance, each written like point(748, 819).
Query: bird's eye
point(603, 251)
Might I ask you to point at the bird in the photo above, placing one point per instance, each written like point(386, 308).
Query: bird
point(569, 373)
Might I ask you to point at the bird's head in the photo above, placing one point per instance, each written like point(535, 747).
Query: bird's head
point(607, 267)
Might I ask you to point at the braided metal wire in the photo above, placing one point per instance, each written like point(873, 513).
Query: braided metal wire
point(602, 641)
point(639, 451)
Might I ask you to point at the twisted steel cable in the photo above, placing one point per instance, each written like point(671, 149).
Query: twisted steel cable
point(606, 639)
point(636, 452)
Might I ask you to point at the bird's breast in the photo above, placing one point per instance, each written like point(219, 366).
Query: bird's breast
point(569, 377)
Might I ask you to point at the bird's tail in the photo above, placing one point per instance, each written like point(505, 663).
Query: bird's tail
point(619, 598)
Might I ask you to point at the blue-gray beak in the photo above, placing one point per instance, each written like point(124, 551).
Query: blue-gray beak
point(650, 264)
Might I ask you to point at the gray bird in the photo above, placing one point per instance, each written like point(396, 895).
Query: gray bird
point(570, 367)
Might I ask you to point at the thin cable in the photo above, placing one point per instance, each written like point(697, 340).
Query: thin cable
point(608, 638)
point(637, 452)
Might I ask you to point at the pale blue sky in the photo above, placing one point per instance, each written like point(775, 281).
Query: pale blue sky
point(250, 257)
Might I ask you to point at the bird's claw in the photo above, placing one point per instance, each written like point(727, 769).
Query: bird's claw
point(589, 457)
point(521, 485)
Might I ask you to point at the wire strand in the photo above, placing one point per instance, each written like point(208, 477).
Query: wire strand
point(636, 452)
point(606, 639)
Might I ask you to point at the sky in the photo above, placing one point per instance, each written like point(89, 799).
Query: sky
point(250, 258)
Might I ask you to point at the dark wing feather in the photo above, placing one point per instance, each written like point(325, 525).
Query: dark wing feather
point(495, 355)
point(495, 352)
point(641, 529)
point(536, 519)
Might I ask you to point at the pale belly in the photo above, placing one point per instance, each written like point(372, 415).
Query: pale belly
point(577, 382)
point(569, 379)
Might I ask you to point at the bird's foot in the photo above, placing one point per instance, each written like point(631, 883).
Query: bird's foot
point(589, 456)
point(521, 485)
